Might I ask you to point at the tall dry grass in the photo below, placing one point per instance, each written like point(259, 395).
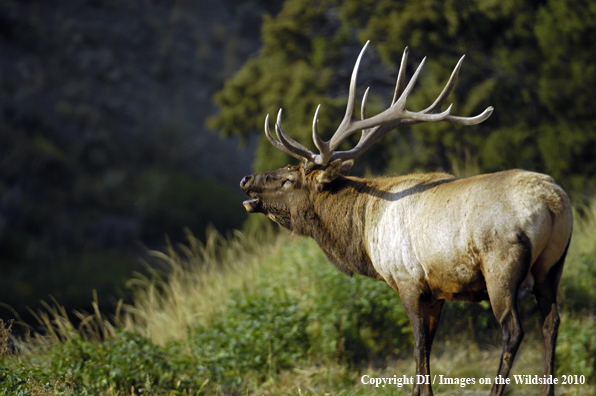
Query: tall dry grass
point(194, 283)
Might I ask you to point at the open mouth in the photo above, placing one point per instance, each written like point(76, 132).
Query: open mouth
point(251, 204)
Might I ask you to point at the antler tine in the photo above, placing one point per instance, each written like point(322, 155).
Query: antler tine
point(365, 132)
point(344, 130)
point(401, 76)
point(292, 145)
point(401, 101)
point(321, 145)
point(471, 120)
point(352, 92)
point(363, 107)
point(436, 106)
point(277, 144)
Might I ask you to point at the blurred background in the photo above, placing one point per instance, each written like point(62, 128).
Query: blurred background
point(123, 123)
point(103, 149)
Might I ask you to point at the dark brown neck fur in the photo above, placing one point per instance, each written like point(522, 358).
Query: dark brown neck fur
point(338, 225)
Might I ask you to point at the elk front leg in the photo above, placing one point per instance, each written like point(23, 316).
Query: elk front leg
point(424, 312)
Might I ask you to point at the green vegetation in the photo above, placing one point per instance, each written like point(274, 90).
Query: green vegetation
point(241, 315)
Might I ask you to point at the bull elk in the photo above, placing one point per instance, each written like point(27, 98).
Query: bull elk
point(431, 237)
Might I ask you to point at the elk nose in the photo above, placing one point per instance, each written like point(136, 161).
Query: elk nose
point(245, 180)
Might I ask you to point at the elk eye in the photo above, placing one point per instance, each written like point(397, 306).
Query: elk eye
point(287, 182)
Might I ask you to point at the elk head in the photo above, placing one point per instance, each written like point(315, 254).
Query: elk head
point(289, 192)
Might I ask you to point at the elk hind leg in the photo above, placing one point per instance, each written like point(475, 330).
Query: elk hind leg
point(545, 290)
point(503, 287)
point(513, 334)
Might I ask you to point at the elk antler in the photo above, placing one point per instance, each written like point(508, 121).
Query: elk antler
point(375, 127)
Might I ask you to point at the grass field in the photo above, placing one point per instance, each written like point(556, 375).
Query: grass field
point(269, 315)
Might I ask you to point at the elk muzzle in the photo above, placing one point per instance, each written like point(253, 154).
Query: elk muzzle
point(250, 205)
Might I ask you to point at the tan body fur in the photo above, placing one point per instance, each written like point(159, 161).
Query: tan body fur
point(441, 232)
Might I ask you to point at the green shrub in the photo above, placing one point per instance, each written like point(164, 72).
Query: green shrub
point(576, 347)
point(118, 363)
point(264, 333)
point(357, 318)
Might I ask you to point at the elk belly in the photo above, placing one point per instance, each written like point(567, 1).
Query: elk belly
point(454, 273)
point(461, 283)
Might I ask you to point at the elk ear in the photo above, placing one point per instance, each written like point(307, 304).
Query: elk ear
point(346, 167)
point(330, 173)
